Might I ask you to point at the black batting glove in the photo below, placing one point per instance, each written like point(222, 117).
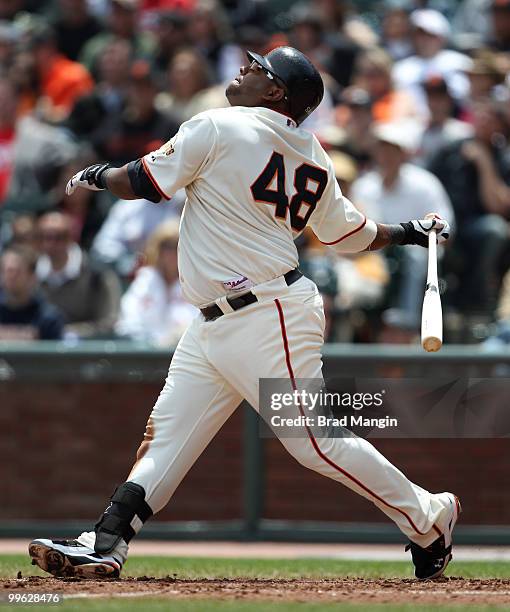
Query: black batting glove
point(417, 231)
point(91, 178)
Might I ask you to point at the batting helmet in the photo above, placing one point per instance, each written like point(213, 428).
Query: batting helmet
point(301, 80)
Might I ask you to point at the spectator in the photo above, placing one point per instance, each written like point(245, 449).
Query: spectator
point(8, 108)
point(395, 190)
point(156, 63)
point(346, 31)
point(472, 21)
point(150, 6)
point(8, 38)
point(373, 74)
point(476, 174)
point(61, 80)
point(246, 13)
point(141, 127)
point(113, 75)
point(442, 128)
point(94, 112)
point(9, 8)
point(88, 297)
point(153, 309)
point(40, 7)
point(171, 32)
point(355, 116)
point(74, 27)
point(210, 34)
point(396, 32)
point(41, 151)
point(122, 237)
point(22, 230)
point(123, 23)
point(22, 73)
point(500, 14)
point(188, 92)
point(484, 75)
point(85, 210)
point(431, 32)
point(315, 263)
point(24, 314)
point(361, 277)
point(333, 54)
point(501, 332)
point(256, 39)
point(346, 171)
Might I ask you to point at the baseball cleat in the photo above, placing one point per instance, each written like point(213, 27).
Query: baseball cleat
point(431, 562)
point(66, 558)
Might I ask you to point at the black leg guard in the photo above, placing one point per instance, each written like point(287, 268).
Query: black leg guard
point(127, 501)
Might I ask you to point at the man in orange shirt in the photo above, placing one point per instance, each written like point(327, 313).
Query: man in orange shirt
point(61, 80)
point(373, 73)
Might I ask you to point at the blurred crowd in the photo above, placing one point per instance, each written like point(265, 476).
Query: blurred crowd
point(416, 118)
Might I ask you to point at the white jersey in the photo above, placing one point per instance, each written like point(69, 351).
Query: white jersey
point(253, 181)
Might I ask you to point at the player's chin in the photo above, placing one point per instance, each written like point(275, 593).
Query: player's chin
point(233, 90)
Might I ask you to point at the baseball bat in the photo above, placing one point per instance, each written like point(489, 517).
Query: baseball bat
point(432, 315)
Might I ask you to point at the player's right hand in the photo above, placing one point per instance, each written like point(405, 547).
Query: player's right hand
point(88, 178)
point(417, 231)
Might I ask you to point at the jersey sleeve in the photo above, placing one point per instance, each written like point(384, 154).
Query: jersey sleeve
point(180, 160)
point(338, 223)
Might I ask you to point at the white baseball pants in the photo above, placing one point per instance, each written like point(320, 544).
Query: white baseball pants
point(220, 362)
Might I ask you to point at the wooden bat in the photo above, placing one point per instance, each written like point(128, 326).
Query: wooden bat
point(432, 315)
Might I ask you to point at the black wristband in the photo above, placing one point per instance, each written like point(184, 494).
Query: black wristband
point(409, 233)
point(100, 177)
point(95, 175)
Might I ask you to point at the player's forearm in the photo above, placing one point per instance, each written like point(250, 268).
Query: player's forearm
point(117, 181)
point(411, 232)
point(129, 182)
point(386, 235)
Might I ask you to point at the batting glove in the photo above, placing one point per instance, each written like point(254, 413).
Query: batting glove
point(91, 178)
point(417, 231)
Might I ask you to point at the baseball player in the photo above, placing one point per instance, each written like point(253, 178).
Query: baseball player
point(254, 179)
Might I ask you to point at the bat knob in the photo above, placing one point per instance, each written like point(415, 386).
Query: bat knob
point(431, 344)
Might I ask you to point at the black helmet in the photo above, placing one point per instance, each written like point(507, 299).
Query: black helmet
point(302, 81)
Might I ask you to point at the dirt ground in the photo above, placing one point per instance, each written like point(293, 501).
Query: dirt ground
point(444, 591)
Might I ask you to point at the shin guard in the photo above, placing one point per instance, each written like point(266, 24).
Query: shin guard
point(125, 514)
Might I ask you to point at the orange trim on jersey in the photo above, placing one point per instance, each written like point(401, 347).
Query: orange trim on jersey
point(314, 441)
point(360, 227)
point(153, 181)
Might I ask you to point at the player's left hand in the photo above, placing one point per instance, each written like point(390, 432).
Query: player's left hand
point(88, 178)
point(417, 231)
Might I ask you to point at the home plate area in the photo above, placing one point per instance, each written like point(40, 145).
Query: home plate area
point(449, 590)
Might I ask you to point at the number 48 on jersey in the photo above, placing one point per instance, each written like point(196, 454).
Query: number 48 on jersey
point(309, 183)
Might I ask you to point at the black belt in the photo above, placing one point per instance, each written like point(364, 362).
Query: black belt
point(214, 311)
